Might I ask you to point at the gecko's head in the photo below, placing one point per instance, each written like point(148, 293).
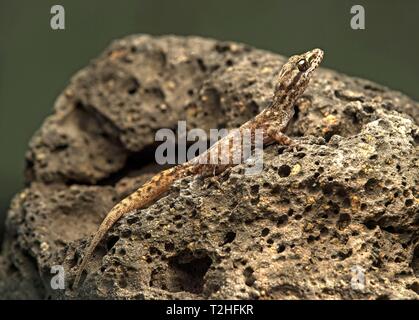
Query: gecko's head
point(309, 61)
point(296, 72)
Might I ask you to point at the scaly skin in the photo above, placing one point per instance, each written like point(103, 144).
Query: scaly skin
point(292, 81)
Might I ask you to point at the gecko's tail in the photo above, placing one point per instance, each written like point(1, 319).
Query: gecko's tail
point(146, 194)
point(107, 223)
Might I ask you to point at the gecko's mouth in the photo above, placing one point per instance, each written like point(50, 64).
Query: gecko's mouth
point(316, 56)
point(315, 59)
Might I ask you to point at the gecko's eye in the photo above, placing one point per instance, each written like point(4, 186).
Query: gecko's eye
point(303, 65)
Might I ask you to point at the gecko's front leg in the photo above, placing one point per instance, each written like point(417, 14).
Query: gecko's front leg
point(277, 135)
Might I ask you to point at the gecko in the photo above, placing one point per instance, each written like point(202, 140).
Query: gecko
point(292, 80)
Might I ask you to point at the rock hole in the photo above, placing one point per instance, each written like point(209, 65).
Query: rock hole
point(334, 207)
point(284, 171)
point(265, 232)
point(229, 237)
point(414, 287)
point(296, 112)
point(311, 238)
point(111, 242)
point(254, 201)
point(415, 261)
point(327, 189)
point(300, 155)
point(126, 233)
point(169, 246)
point(343, 255)
point(281, 248)
point(371, 185)
point(132, 86)
point(343, 221)
point(132, 220)
point(248, 276)
point(267, 185)
point(408, 202)
point(153, 250)
point(368, 109)
point(282, 220)
point(281, 150)
point(123, 282)
point(157, 92)
point(188, 271)
point(254, 189)
point(328, 135)
point(370, 224)
point(201, 65)
point(324, 231)
point(415, 135)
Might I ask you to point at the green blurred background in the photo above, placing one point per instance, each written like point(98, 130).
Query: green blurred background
point(37, 62)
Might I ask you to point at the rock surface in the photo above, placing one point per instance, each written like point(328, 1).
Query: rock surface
point(345, 200)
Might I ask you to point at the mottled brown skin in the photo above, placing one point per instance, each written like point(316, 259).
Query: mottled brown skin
point(292, 81)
